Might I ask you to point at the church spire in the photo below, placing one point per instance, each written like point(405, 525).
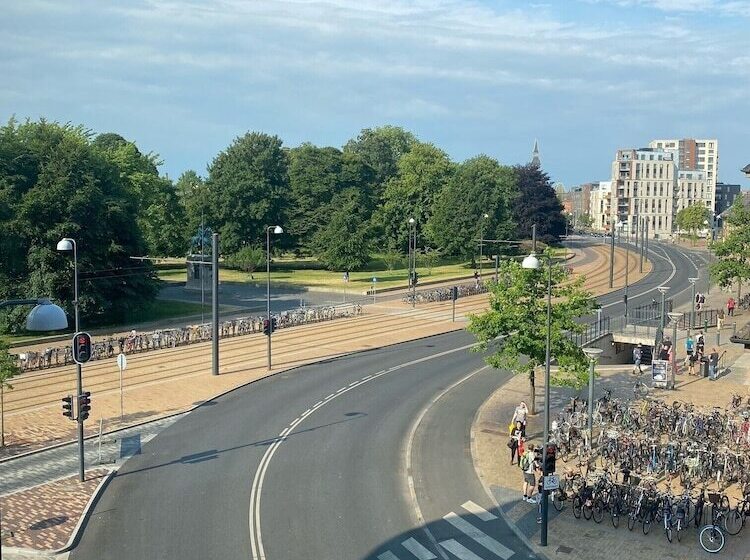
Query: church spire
point(535, 155)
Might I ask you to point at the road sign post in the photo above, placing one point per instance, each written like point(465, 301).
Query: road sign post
point(454, 297)
point(122, 363)
point(374, 288)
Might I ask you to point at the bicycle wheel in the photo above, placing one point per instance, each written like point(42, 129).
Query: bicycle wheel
point(558, 500)
point(646, 527)
point(598, 511)
point(668, 531)
point(577, 507)
point(711, 539)
point(615, 517)
point(588, 511)
point(679, 530)
point(733, 522)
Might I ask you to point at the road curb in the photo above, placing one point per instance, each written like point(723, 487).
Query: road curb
point(12, 553)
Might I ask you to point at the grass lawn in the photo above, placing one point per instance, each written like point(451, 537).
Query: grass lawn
point(283, 270)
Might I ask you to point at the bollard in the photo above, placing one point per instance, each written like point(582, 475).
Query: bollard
point(734, 329)
point(718, 338)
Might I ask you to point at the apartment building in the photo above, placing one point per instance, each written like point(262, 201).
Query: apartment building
point(725, 197)
point(693, 188)
point(644, 186)
point(600, 205)
point(580, 198)
point(695, 154)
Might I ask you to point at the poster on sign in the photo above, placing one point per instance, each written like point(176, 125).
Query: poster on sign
point(660, 373)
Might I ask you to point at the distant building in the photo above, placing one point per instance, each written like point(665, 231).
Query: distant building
point(580, 198)
point(746, 170)
point(535, 155)
point(725, 196)
point(695, 154)
point(600, 205)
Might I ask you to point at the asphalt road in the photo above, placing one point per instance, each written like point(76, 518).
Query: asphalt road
point(361, 457)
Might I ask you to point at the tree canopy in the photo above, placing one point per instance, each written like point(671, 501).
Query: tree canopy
point(537, 203)
point(692, 219)
point(733, 252)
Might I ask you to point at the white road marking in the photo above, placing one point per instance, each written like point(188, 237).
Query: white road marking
point(387, 555)
point(480, 537)
point(459, 550)
point(479, 511)
point(414, 546)
point(256, 539)
point(666, 282)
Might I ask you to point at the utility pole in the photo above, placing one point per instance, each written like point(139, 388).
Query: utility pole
point(215, 304)
point(533, 237)
point(612, 258)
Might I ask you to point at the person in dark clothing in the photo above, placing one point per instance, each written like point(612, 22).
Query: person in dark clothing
point(515, 438)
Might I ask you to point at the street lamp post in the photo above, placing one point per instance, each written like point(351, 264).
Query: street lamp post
point(612, 258)
point(531, 262)
point(277, 230)
point(592, 354)
point(413, 260)
point(675, 318)
point(67, 244)
point(691, 321)
point(481, 243)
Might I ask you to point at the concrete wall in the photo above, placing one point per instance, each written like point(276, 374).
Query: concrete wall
point(613, 352)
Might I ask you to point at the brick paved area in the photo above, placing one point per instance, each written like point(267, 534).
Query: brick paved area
point(44, 517)
point(579, 539)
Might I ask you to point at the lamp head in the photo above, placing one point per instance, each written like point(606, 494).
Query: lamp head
point(65, 244)
point(46, 317)
point(411, 220)
point(530, 262)
point(592, 353)
point(675, 316)
point(663, 289)
point(693, 280)
point(486, 216)
point(278, 229)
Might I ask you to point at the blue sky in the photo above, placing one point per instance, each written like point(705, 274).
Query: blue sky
point(585, 77)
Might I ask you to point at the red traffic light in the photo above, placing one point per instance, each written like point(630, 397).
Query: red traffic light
point(81, 347)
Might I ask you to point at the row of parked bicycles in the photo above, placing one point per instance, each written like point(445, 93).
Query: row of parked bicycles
point(445, 294)
point(137, 342)
point(647, 441)
point(635, 501)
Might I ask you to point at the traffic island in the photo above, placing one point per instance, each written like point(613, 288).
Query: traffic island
point(568, 537)
point(45, 520)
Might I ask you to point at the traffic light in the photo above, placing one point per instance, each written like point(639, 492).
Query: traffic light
point(266, 327)
point(274, 324)
point(625, 299)
point(68, 406)
point(81, 347)
point(454, 293)
point(84, 405)
point(549, 460)
point(416, 278)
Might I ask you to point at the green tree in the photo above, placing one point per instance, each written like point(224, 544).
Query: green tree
point(584, 221)
point(733, 252)
point(537, 203)
point(247, 259)
point(8, 370)
point(422, 175)
point(248, 184)
point(56, 184)
point(381, 149)
point(479, 186)
point(344, 243)
point(160, 216)
point(518, 313)
point(691, 219)
point(194, 197)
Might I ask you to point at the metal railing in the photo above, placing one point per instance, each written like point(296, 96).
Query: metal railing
point(594, 330)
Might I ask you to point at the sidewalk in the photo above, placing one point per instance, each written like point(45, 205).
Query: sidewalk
point(577, 538)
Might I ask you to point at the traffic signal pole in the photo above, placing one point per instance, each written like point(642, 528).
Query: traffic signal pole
point(215, 305)
point(79, 369)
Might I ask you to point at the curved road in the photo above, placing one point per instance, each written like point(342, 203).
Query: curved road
point(364, 456)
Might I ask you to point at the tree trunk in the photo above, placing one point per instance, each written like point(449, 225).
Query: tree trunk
point(2, 416)
point(532, 390)
point(739, 290)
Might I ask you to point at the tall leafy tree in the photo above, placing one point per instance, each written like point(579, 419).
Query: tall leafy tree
point(518, 314)
point(733, 252)
point(8, 369)
point(194, 198)
point(57, 184)
point(248, 183)
point(381, 148)
point(479, 186)
point(344, 242)
point(692, 219)
point(422, 175)
point(160, 216)
point(537, 204)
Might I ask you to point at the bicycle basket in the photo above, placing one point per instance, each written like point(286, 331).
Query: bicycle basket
point(714, 498)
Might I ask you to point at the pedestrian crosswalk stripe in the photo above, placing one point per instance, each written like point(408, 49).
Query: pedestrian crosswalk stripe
point(413, 546)
point(483, 539)
point(479, 511)
point(387, 555)
point(459, 550)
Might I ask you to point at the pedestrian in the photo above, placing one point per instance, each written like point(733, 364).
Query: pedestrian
point(702, 301)
point(529, 480)
point(701, 343)
point(730, 306)
point(713, 364)
point(665, 348)
point(720, 319)
point(690, 362)
point(476, 279)
point(513, 442)
point(540, 488)
point(689, 345)
point(698, 301)
point(521, 448)
point(637, 357)
point(519, 415)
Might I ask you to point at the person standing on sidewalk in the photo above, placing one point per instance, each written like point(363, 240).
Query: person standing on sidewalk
point(689, 345)
point(730, 306)
point(529, 480)
point(720, 319)
point(513, 443)
point(637, 357)
point(713, 364)
point(519, 415)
